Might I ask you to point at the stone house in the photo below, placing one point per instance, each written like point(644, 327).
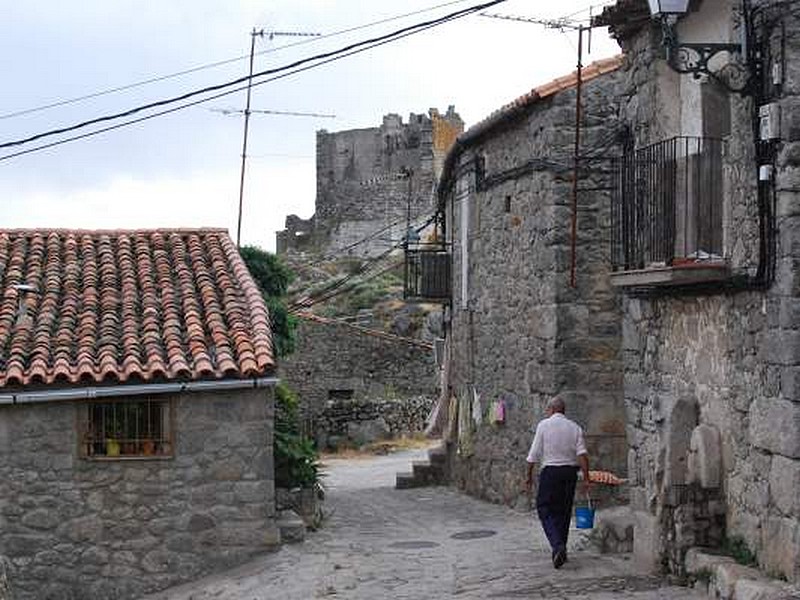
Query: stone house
point(381, 385)
point(135, 411)
point(706, 230)
point(518, 332)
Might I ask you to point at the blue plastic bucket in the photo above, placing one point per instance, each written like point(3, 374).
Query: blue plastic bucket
point(584, 517)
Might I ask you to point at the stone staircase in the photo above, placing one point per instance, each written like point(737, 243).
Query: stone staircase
point(424, 472)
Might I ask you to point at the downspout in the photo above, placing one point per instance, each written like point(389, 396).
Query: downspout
point(92, 393)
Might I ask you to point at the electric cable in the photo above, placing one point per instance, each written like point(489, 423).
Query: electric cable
point(219, 63)
point(322, 58)
point(221, 94)
point(323, 294)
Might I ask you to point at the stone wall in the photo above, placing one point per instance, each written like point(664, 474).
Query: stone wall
point(336, 363)
point(80, 529)
point(711, 379)
point(363, 185)
point(357, 422)
point(519, 332)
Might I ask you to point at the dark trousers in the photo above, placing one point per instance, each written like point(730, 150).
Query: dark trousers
point(554, 503)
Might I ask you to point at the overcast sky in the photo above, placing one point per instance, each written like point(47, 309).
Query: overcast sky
point(183, 169)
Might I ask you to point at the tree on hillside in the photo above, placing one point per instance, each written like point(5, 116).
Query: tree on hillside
point(273, 278)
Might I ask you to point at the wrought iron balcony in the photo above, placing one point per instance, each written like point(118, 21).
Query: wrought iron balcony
point(427, 273)
point(667, 209)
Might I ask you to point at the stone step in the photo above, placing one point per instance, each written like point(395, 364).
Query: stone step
point(291, 526)
point(405, 481)
point(427, 473)
point(437, 456)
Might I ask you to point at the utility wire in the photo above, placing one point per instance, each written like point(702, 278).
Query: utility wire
point(301, 299)
point(219, 63)
point(298, 66)
point(302, 307)
point(233, 91)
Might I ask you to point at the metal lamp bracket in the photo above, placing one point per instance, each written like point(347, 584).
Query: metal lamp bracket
point(694, 58)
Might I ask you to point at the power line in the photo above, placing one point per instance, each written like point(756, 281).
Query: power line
point(219, 63)
point(238, 111)
point(303, 299)
point(226, 93)
point(323, 58)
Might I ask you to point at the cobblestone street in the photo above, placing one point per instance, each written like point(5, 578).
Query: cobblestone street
point(427, 543)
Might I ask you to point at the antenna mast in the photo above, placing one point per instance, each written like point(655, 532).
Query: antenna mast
point(269, 35)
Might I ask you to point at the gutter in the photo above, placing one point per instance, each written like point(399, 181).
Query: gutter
point(91, 393)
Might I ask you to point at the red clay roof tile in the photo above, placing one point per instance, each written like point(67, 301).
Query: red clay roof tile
point(109, 306)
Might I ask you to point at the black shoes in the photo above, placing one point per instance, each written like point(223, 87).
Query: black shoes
point(559, 558)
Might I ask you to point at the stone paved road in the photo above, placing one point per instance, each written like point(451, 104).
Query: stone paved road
point(420, 544)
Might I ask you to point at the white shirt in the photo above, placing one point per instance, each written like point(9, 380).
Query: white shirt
point(558, 442)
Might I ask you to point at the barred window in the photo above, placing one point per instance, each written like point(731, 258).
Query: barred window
point(127, 429)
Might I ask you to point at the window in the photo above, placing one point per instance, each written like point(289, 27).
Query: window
point(667, 209)
point(340, 394)
point(127, 429)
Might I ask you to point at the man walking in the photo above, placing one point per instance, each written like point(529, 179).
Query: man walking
point(559, 447)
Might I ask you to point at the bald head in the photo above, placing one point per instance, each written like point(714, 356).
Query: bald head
point(556, 405)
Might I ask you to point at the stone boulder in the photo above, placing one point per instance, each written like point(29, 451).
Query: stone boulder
point(5, 583)
point(613, 530)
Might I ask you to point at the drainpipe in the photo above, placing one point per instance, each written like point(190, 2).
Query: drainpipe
point(91, 393)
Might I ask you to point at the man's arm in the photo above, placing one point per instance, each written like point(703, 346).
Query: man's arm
point(583, 461)
point(529, 480)
point(534, 455)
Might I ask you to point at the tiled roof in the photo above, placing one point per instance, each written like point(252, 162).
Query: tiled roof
point(588, 73)
point(518, 107)
point(128, 306)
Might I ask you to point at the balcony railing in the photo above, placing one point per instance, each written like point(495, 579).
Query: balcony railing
point(427, 273)
point(667, 205)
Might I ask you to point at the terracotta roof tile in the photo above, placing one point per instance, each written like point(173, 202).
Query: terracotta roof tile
point(117, 306)
point(555, 86)
point(517, 107)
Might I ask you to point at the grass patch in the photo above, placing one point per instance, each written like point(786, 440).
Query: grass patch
point(736, 547)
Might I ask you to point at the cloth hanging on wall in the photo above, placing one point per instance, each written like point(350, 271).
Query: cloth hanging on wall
point(451, 429)
point(465, 424)
point(477, 410)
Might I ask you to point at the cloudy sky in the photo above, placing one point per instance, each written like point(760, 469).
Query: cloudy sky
point(182, 169)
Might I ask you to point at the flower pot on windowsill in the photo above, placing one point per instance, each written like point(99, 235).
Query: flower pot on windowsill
point(148, 448)
point(681, 261)
point(112, 447)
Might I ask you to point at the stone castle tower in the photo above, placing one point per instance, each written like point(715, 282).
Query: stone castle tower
point(369, 180)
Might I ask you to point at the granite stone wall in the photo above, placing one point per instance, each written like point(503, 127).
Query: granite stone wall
point(711, 380)
point(74, 529)
point(519, 333)
point(357, 422)
point(363, 185)
point(338, 367)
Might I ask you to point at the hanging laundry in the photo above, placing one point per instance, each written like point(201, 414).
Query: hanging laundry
point(499, 412)
point(465, 424)
point(451, 431)
point(477, 410)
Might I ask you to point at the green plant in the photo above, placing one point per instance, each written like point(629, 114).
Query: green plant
point(736, 547)
point(273, 279)
point(296, 457)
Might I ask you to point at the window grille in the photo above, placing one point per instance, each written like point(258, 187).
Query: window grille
point(127, 429)
point(667, 207)
point(428, 274)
